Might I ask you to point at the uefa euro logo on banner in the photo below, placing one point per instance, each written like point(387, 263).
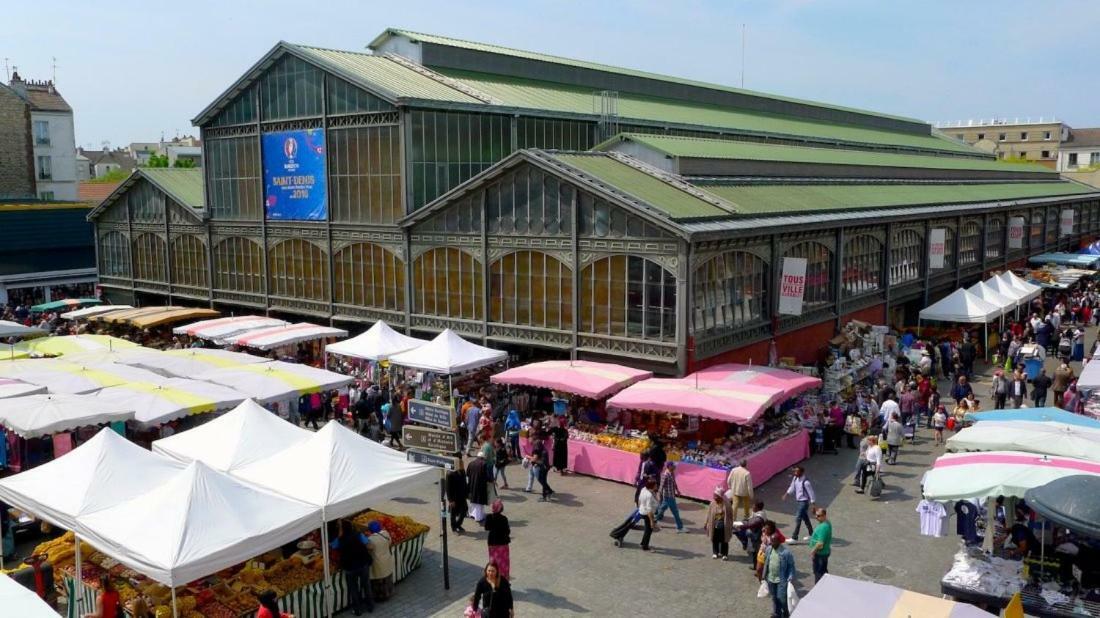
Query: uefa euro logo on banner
point(294, 175)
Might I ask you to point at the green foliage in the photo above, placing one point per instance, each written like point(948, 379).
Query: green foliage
point(116, 175)
point(156, 160)
point(185, 163)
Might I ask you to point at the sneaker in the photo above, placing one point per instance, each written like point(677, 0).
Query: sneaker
point(805, 539)
point(725, 558)
point(680, 530)
point(714, 556)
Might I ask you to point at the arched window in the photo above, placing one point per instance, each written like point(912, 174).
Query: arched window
point(862, 265)
point(731, 290)
point(531, 288)
point(146, 203)
point(1036, 235)
point(994, 238)
point(188, 261)
point(906, 256)
point(298, 269)
point(368, 275)
point(1052, 225)
point(114, 255)
point(149, 258)
point(448, 283)
point(819, 268)
point(628, 296)
point(238, 266)
point(949, 249)
point(969, 240)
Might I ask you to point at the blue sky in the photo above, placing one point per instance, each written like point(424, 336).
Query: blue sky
point(135, 70)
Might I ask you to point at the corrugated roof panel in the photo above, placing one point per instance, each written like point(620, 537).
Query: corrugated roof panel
point(782, 199)
point(184, 185)
point(676, 203)
point(700, 148)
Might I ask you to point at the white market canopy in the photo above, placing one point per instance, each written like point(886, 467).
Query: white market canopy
point(190, 362)
point(448, 353)
point(961, 306)
point(1089, 379)
point(195, 523)
point(1018, 283)
point(379, 342)
point(220, 328)
point(18, 388)
point(15, 329)
point(985, 292)
point(958, 476)
point(167, 399)
point(61, 376)
point(102, 472)
point(34, 416)
point(276, 380)
point(88, 312)
point(23, 602)
point(1005, 288)
point(337, 470)
point(246, 434)
point(1047, 438)
point(279, 336)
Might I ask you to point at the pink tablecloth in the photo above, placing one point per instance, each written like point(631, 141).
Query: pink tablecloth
point(694, 481)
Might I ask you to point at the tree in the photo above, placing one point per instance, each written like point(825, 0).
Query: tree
point(115, 175)
point(156, 160)
point(186, 163)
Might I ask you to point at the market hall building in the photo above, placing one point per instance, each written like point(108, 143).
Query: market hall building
point(538, 202)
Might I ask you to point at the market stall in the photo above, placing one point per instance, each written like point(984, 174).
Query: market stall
point(583, 378)
point(18, 388)
point(1085, 261)
point(1016, 282)
point(62, 377)
point(15, 329)
point(961, 306)
point(190, 362)
point(285, 337)
point(65, 304)
point(445, 364)
point(1038, 415)
point(987, 293)
point(958, 476)
point(72, 344)
point(277, 383)
point(1043, 438)
point(89, 312)
point(22, 602)
point(222, 328)
point(833, 592)
point(161, 400)
point(379, 342)
point(34, 416)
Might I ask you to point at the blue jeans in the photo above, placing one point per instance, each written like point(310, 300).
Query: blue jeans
point(500, 475)
point(670, 504)
point(778, 594)
point(532, 474)
point(821, 566)
point(802, 516)
point(1041, 401)
point(358, 582)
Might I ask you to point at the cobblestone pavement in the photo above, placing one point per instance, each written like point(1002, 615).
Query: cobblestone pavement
point(564, 563)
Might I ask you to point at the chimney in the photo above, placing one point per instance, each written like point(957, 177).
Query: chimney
point(17, 84)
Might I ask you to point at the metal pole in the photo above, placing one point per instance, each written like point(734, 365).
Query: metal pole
point(175, 611)
point(78, 587)
point(326, 589)
point(443, 525)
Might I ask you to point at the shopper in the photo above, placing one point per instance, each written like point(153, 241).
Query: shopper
point(269, 606)
point(874, 463)
point(473, 419)
point(778, 573)
point(500, 536)
point(768, 534)
point(458, 490)
point(542, 473)
point(381, 561)
point(560, 433)
point(493, 595)
point(511, 430)
point(939, 421)
point(501, 460)
point(666, 495)
point(1063, 375)
point(740, 486)
point(355, 559)
point(895, 435)
point(803, 492)
point(1017, 389)
point(998, 389)
point(821, 542)
point(1039, 387)
point(477, 476)
point(961, 389)
point(647, 506)
point(719, 525)
point(107, 603)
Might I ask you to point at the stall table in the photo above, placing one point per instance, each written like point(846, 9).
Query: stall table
point(694, 480)
point(1034, 603)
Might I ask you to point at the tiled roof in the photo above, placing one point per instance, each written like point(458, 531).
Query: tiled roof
point(43, 100)
point(95, 192)
point(1081, 138)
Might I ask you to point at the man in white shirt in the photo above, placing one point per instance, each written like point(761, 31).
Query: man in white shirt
point(647, 506)
point(889, 408)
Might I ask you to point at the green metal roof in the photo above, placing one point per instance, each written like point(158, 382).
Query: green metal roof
point(666, 197)
point(785, 199)
point(701, 148)
point(183, 184)
point(595, 66)
point(533, 94)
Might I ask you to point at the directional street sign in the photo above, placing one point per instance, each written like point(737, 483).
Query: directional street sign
point(431, 414)
point(432, 459)
point(430, 439)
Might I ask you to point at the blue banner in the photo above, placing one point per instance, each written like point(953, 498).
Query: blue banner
point(294, 175)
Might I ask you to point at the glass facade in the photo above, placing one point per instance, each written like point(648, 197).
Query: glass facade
point(628, 296)
point(528, 201)
point(448, 282)
point(233, 178)
point(554, 133)
point(819, 269)
point(1052, 229)
point(365, 174)
point(242, 110)
point(906, 256)
point(448, 148)
point(238, 266)
point(1036, 235)
point(970, 239)
point(291, 89)
point(994, 237)
point(114, 255)
point(730, 291)
point(146, 203)
point(600, 219)
point(149, 257)
point(189, 265)
point(367, 275)
point(531, 288)
point(344, 98)
point(862, 265)
point(298, 269)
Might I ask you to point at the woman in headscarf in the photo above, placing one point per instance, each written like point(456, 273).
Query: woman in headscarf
point(485, 425)
point(381, 566)
point(511, 430)
point(719, 525)
point(561, 444)
point(500, 536)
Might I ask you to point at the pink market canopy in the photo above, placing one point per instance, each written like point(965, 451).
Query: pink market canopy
point(279, 336)
point(584, 378)
point(791, 382)
point(956, 476)
point(733, 403)
point(219, 328)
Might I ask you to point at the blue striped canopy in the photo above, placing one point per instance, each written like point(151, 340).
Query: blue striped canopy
point(1057, 415)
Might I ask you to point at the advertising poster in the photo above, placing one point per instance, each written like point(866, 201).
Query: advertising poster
point(294, 175)
point(1067, 222)
point(792, 286)
point(1015, 232)
point(937, 244)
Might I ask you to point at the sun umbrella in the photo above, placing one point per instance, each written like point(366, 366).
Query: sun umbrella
point(40, 415)
point(21, 601)
point(584, 378)
point(276, 381)
point(1036, 415)
point(957, 476)
point(1044, 438)
point(1071, 501)
point(67, 303)
point(157, 402)
point(71, 378)
point(191, 362)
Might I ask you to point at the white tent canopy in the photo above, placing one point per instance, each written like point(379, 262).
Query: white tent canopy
point(167, 399)
point(277, 380)
point(1090, 376)
point(1016, 282)
point(18, 388)
point(379, 342)
point(61, 376)
point(22, 602)
point(220, 328)
point(88, 312)
point(244, 435)
point(983, 291)
point(1005, 288)
point(448, 353)
point(337, 470)
point(190, 362)
point(194, 524)
point(1046, 438)
point(279, 336)
point(40, 415)
point(15, 329)
point(961, 306)
point(956, 476)
point(98, 474)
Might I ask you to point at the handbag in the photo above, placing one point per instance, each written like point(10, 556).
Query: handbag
point(876, 486)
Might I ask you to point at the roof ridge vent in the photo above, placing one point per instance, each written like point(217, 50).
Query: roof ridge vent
point(674, 180)
point(443, 79)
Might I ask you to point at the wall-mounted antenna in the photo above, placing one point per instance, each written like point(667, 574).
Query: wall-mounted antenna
point(742, 55)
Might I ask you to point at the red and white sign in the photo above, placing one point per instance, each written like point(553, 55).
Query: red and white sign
point(1067, 222)
point(937, 245)
point(1015, 232)
point(792, 286)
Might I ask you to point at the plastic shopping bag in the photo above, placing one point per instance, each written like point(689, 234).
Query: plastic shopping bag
point(762, 591)
point(792, 597)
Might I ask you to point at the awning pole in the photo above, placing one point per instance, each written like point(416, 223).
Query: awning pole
point(175, 611)
point(326, 590)
point(78, 588)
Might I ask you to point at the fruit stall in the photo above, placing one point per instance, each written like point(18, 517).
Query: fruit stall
point(231, 593)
